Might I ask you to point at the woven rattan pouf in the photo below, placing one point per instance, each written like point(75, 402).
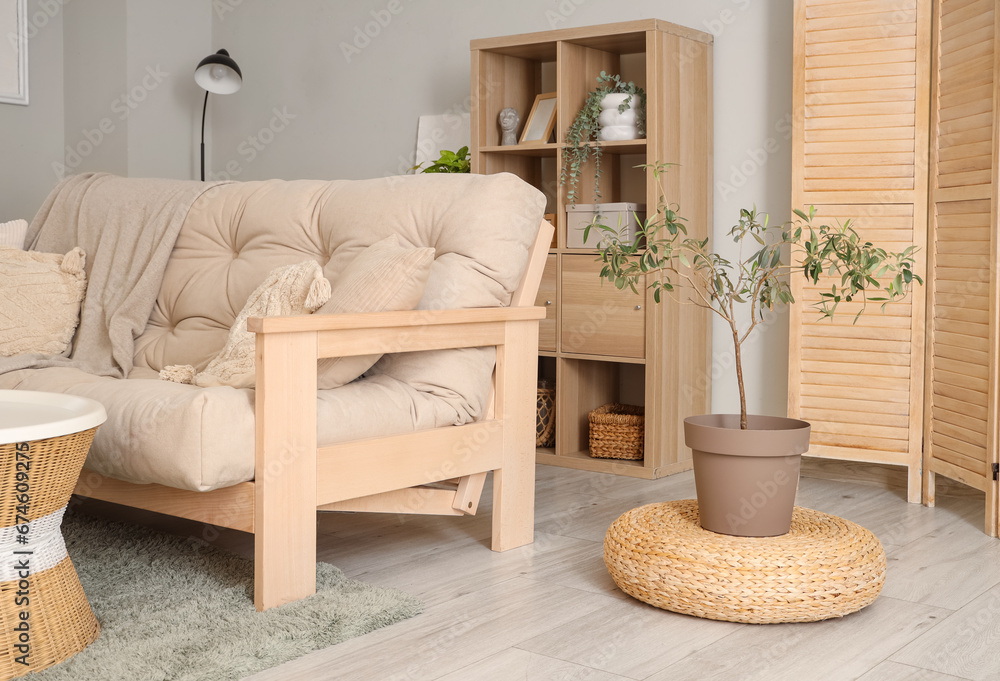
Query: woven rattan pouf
point(824, 567)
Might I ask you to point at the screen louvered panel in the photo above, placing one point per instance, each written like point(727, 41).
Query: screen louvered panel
point(960, 416)
point(961, 330)
point(861, 102)
point(855, 380)
point(965, 93)
point(860, 96)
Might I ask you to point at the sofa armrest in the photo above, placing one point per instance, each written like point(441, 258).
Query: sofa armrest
point(345, 335)
point(288, 463)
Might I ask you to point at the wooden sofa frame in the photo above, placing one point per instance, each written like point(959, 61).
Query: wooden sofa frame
point(437, 471)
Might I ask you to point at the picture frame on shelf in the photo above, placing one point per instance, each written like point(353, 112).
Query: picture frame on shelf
point(14, 52)
point(541, 120)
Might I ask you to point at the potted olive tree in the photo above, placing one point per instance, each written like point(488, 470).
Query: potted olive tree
point(747, 466)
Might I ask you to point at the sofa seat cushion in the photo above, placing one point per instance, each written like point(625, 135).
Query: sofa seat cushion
point(201, 439)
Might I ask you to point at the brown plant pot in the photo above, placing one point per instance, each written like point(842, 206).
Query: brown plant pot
point(746, 479)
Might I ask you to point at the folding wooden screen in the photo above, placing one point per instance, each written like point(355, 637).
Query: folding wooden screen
point(960, 424)
point(861, 114)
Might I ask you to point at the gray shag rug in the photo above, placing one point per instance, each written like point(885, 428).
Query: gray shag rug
point(176, 609)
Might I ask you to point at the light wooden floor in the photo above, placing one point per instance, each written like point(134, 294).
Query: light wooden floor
point(549, 611)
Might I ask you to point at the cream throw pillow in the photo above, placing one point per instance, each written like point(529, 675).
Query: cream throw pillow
point(290, 290)
point(12, 233)
point(40, 301)
point(385, 277)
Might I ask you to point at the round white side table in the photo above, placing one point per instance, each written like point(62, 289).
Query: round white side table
point(44, 615)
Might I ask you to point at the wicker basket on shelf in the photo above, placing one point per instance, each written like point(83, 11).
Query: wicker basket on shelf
point(617, 431)
point(545, 418)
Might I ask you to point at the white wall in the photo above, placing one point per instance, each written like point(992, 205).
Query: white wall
point(355, 102)
point(32, 136)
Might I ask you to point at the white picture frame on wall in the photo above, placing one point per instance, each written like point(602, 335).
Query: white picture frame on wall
point(14, 52)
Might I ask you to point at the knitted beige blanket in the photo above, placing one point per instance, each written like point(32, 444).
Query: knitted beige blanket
point(127, 227)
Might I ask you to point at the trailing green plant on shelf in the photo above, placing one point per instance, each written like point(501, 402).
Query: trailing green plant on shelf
point(585, 127)
point(671, 259)
point(449, 162)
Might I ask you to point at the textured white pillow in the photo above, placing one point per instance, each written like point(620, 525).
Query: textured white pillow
point(40, 303)
point(290, 290)
point(12, 233)
point(385, 277)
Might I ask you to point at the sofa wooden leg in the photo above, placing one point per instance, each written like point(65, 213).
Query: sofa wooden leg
point(285, 469)
point(514, 483)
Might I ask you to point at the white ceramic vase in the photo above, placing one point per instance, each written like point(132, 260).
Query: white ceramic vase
point(617, 125)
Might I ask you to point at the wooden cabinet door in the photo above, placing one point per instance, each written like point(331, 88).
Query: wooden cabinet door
point(547, 291)
point(597, 318)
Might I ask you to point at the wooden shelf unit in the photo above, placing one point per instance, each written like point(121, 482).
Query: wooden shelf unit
point(600, 344)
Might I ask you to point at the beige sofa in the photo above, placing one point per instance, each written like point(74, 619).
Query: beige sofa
point(452, 398)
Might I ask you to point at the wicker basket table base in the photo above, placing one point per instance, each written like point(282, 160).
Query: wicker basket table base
point(44, 614)
point(824, 567)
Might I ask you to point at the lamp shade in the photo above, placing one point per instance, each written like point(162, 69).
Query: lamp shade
point(218, 73)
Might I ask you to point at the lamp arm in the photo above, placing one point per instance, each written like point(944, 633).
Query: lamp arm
point(204, 108)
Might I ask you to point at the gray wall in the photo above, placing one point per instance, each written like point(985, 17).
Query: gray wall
point(132, 106)
point(31, 137)
point(322, 99)
point(166, 42)
point(94, 45)
point(352, 103)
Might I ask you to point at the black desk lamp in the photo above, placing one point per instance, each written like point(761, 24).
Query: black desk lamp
point(216, 73)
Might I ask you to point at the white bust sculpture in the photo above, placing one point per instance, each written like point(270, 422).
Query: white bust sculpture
point(509, 120)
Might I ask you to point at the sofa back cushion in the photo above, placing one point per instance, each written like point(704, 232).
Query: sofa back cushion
point(480, 226)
